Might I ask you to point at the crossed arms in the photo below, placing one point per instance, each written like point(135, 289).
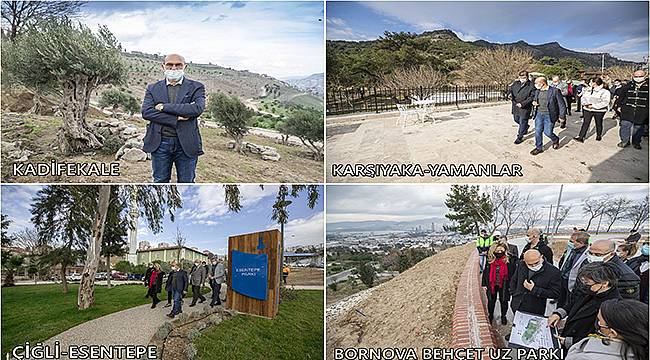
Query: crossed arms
point(169, 113)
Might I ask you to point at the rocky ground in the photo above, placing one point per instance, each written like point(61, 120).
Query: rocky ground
point(412, 310)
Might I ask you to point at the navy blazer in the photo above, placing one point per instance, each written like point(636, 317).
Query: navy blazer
point(190, 103)
point(556, 104)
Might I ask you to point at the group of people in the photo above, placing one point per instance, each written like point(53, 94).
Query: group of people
point(178, 281)
point(599, 289)
point(549, 103)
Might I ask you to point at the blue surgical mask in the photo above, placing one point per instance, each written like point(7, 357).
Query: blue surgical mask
point(645, 250)
point(174, 75)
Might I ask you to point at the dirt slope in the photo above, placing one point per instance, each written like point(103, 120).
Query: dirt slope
point(412, 310)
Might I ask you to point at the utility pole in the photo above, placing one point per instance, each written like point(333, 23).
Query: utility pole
point(602, 65)
point(550, 214)
point(557, 210)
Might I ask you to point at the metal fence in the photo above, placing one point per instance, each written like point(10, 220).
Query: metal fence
point(377, 100)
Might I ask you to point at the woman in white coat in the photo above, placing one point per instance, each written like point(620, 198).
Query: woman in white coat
point(595, 102)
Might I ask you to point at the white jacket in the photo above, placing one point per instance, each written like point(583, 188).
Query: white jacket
point(598, 98)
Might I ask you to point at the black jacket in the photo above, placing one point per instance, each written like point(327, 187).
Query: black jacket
point(547, 286)
point(635, 263)
point(181, 281)
point(628, 281)
point(523, 94)
point(634, 103)
point(147, 276)
point(513, 250)
point(580, 313)
point(485, 278)
point(168, 283)
point(543, 249)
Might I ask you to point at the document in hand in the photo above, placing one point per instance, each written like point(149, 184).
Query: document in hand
point(531, 331)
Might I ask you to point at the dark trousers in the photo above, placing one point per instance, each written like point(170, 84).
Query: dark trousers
point(568, 100)
point(627, 128)
point(522, 121)
point(169, 296)
point(153, 294)
point(170, 153)
point(564, 293)
point(196, 294)
point(586, 122)
point(492, 301)
point(578, 101)
point(216, 290)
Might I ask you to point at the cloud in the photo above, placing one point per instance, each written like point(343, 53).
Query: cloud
point(209, 202)
point(305, 231)
point(275, 38)
point(628, 49)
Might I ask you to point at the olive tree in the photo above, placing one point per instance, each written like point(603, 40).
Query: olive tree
point(307, 125)
point(232, 114)
point(75, 60)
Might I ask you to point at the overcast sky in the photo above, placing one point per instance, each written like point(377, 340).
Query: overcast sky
point(616, 27)
point(280, 39)
point(204, 218)
point(414, 202)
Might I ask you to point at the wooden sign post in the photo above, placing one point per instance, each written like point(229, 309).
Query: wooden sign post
point(255, 272)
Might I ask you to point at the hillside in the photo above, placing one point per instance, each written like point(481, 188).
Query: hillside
point(357, 63)
point(314, 84)
point(145, 69)
point(413, 309)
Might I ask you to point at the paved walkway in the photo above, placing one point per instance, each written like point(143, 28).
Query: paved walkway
point(481, 136)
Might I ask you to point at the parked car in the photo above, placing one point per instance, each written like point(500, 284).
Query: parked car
point(101, 276)
point(73, 277)
point(119, 276)
point(137, 277)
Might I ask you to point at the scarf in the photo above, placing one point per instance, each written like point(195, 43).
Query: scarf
point(152, 279)
point(503, 273)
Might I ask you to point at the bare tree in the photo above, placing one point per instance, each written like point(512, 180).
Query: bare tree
point(616, 210)
point(425, 76)
point(594, 207)
point(512, 205)
point(562, 214)
point(637, 213)
point(179, 241)
point(621, 72)
point(16, 15)
point(530, 217)
point(499, 66)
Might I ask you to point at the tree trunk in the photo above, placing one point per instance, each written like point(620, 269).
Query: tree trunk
point(75, 135)
point(9, 278)
point(86, 296)
point(37, 106)
point(108, 272)
point(64, 281)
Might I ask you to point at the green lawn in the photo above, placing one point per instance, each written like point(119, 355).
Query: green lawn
point(37, 312)
point(296, 333)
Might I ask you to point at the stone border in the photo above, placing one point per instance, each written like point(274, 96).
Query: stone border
point(470, 325)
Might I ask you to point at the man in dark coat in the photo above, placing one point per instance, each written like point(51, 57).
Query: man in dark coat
point(179, 284)
point(534, 282)
point(168, 288)
point(147, 275)
point(535, 242)
point(628, 281)
point(599, 284)
point(551, 108)
point(634, 110)
point(522, 92)
point(198, 275)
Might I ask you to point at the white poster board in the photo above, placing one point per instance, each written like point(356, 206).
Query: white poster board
point(531, 331)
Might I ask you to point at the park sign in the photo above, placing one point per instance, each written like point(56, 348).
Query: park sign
point(255, 270)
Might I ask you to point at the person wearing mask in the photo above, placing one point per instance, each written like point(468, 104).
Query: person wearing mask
point(496, 279)
point(626, 252)
point(605, 251)
point(616, 95)
point(522, 92)
point(155, 284)
point(513, 250)
point(147, 276)
point(179, 284)
point(168, 288)
point(483, 243)
point(599, 280)
point(633, 106)
point(594, 105)
point(569, 99)
point(197, 279)
point(207, 271)
point(564, 90)
point(639, 264)
point(217, 277)
point(535, 242)
point(578, 91)
point(550, 108)
point(570, 263)
point(621, 333)
point(172, 107)
point(534, 282)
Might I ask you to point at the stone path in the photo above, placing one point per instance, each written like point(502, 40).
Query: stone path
point(481, 136)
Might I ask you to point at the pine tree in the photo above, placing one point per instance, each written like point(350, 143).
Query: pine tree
point(468, 209)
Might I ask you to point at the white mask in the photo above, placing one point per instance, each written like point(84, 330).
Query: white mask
point(174, 75)
point(537, 267)
point(639, 79)
point(593, 258)
point(538, 87)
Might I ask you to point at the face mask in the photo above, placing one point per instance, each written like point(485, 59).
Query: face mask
point(538, 87)
point(523, 80)
point(638, 79)
point(645, 250)
point(499, 255)
point(570, 245)
point(593, 258)
point(598, 327)
point(174, 75)
point(536, 267)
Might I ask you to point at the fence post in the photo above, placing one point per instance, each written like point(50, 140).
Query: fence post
point(484, 94)
point(374, 88)
point(456, 96)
